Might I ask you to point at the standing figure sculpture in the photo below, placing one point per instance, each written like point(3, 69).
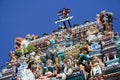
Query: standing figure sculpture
point(64, 16)
point(64, 13)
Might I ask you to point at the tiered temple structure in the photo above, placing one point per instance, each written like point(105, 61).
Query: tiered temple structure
point(80, 52)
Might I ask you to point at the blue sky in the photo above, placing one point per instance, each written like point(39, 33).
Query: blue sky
point(20, 17)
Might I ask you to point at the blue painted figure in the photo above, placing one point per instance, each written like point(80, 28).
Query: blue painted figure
point(95, 46)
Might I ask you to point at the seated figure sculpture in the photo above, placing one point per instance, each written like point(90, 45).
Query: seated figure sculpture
point(84, 51)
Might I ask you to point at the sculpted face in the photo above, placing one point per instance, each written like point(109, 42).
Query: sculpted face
point(38, 73)
point(95, 56)
point(49, 63)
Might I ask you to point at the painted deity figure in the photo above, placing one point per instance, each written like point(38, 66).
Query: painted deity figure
point(68, 67)
point(49, 70)
point(97, 66)
point(60, 69)
point(24, 73)
point(67, 70)
point(13, 58)
point(95, 46)
point(39, 76)
point(92, 30)
point(64, 13)
point(84, 51)
point(84, 55)
point(60, 51)
point(106, 19)
point(82, 68)
point(18, 42)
